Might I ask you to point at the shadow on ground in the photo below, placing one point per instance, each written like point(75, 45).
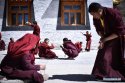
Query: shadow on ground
point(74, 77)
point(53, 59)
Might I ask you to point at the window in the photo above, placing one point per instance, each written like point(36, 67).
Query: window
point(72, 12)
point(19, 12)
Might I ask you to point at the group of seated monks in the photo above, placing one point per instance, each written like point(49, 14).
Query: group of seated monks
point(19, 63)
point(70, 49)
point(44, 49)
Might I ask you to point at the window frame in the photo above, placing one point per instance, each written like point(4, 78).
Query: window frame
point(18, 3)
point(72, 3)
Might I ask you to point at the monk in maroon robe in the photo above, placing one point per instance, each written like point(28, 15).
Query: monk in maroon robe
point(45, 50)
point(69, 49)
point(110, 61)
point(36, 31)
point(19, 61)
point(88, 41)
point(10, 45)
point(79, 46)
point(36, 28)
point(2, 43)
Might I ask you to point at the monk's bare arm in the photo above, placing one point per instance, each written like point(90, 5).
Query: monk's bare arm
point(111, 37)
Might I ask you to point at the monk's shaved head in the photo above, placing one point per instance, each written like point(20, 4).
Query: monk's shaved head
point(94, 7)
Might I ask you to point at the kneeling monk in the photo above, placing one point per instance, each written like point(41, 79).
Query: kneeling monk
point(19, 61)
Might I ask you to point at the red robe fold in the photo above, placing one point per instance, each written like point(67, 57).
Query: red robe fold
point(19, 61)
point(110, 61)
point(45, 51)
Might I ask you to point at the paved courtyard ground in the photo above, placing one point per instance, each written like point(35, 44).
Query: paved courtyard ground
point(66, 71)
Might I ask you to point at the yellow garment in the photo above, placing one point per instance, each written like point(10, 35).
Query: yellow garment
point(102, 22)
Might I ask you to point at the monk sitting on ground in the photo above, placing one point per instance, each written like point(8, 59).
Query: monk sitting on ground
point(19, 63)
point(45, 50)
point(2, 43)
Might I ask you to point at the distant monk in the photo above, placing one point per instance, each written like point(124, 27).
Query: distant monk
point(45, 50)
point(2, 43)
point(36, 28)
point(88, 41)
point(79, 46)
point(69, 48)
point(19, 63)
point(10, 44)
point(110, 60)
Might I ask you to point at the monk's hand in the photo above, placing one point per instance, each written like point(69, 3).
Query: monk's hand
point(103, 40)
point(101, 45)
point(42, 67)
point(28, 23)
point(61, 46)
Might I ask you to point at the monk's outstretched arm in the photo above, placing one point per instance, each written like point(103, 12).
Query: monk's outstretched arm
point(111, 37)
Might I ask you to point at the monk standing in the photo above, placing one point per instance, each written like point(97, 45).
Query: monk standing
point(2, 43)
point(36, 28)
point(10, 44)
point(45, 50)
point(88, 41)
point(110, 61)
point(36, 31)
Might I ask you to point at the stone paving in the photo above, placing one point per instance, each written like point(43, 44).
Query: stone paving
point(66, 71)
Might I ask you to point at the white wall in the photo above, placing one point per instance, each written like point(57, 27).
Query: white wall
point(46, 12)
point(2, 2)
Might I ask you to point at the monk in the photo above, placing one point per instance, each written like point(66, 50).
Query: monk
point(88, 41)
point(79, 46)
point(36, 28)
point(2, 43)
point(45, 50)
point(19, 63)
point(110, 61)
point(10, 44)
point(69, 48)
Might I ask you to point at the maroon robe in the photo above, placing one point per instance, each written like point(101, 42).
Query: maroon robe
point(70, 49)
point(88, 42)
point(19, 61)
point(2, 43)
point(0, 35)
point(10, 45)
point(36, 29)
point(45, 51)
point(110, 61)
